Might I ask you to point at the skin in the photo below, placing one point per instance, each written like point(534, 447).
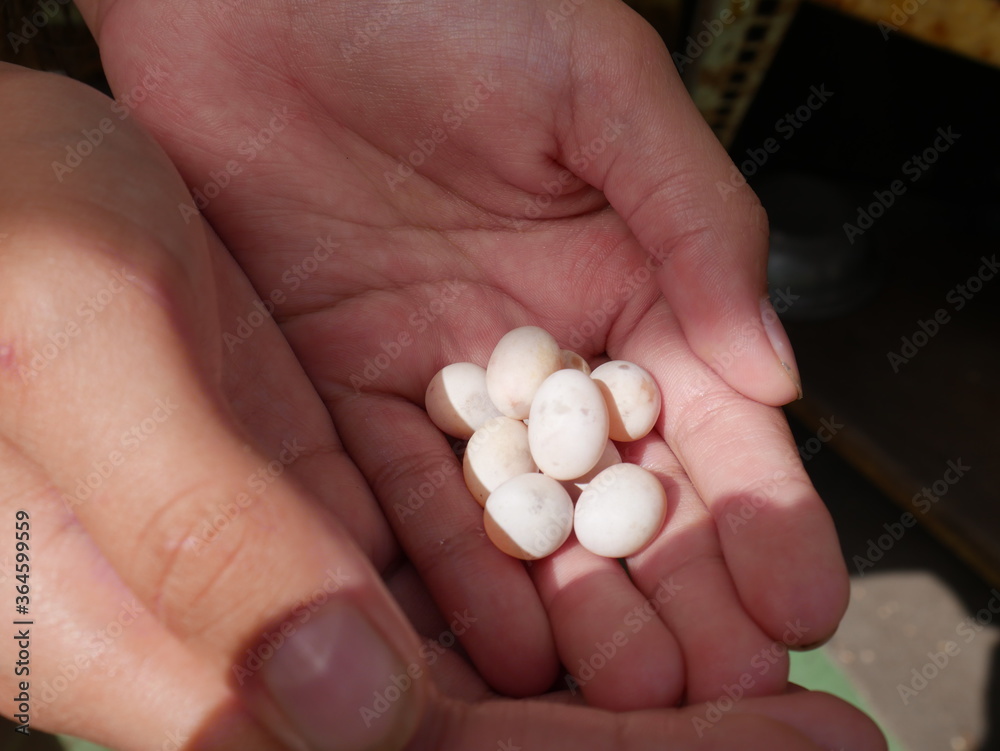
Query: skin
point(448, 258)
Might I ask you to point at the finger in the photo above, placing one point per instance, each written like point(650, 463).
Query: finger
point(684, 575)
point(615, 649)
point(93, 645)
point(801, 722)
point(776, 535)
point(660, 166)
point(126, 418)
point(415, 475)
point(270, 553)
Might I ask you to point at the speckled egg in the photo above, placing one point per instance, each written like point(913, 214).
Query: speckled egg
point(632, 398)
point(522, 359)
point(621, 510)
point(456, 399)
point(529, 516)
point(568, 426)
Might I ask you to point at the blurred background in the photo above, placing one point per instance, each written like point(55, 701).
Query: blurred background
point(869, 129)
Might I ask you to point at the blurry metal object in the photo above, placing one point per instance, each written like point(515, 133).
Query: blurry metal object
point(726, 54)
point(968, 27)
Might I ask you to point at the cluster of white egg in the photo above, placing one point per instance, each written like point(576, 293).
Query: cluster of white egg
point(541, 429)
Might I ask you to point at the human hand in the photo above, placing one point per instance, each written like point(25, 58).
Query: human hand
point(289, 131)
point(183, 548)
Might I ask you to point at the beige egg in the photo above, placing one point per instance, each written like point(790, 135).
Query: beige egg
point(621, 510)
point(572, 361)
point(456, 399)
point(529, 516)
point(568, 428)
point(496, 452)
point(609, 458)
point(632, 398)
point(522, 359)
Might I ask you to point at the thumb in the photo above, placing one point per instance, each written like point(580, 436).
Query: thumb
point(242, 565)
point(662, 169)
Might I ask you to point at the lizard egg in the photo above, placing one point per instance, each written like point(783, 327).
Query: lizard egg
point(621, 510)
point(573, 361)
point(456, 399)
point(529, 516)
point(496, 452)
point(568, 427)
point(522, 359)
point(632, 397)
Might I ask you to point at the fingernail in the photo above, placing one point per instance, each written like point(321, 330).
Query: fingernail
point(780, 343)
point(335, 685)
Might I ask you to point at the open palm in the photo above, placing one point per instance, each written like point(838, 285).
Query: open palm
point(405, 183)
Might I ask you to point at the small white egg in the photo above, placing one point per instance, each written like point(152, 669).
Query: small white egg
point(522, 359)
point(609, 458)
point(496, 452)
point(529, 517)
point(632, 397)
point(572, 361)
point(621, 510)
point(456, 399)
point(568, 430)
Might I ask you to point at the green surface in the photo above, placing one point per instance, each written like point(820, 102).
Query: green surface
point(816, 670)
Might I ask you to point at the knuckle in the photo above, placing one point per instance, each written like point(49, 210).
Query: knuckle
point(192, 551)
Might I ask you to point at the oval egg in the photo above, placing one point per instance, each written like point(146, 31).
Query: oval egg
point(529, 517)
point(568, 427)
point(522, 359)
point(496, 452)
point(621, 510)
point(456, 399)
point(632, 398)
